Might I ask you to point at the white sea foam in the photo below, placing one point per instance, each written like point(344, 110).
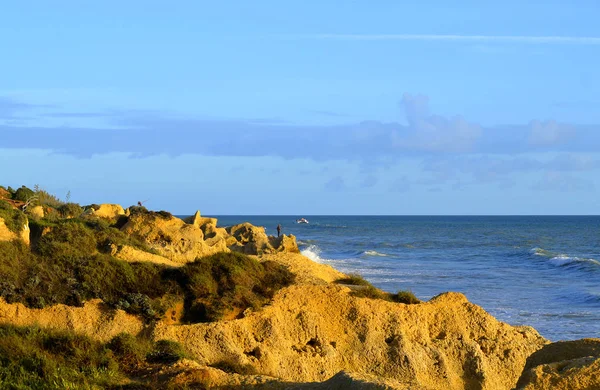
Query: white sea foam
point(541, 252)
point(374, 253)
point(313, 252)
point(564, 260)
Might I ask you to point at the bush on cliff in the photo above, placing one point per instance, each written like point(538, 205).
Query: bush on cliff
point(364, 289)
point(23, 194)
point(37, 358)
point(405, 297)
point(13, 218)
point(67, 265)
point(225, 284)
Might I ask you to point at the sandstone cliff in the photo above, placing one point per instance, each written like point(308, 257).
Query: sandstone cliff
point(315, 334)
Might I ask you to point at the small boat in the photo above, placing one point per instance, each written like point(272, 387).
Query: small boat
point(302, 220)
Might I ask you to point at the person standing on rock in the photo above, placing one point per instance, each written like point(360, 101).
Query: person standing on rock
point(278, 230)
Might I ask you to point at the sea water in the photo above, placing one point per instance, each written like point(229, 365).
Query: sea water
point(542, 271)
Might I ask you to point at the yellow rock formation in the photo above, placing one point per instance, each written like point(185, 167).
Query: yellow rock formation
point(94, 318)
point(311, 332)
point(172, 238)
point(8, 235)
point(109, 211)
point(563, 365)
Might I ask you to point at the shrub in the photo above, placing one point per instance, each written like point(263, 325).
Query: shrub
point(69, 210)
point(46, 199)
point(353, 280)
point(34, 358)
point(129, 350)
point(13, 218)
point(23, 194)
point(367, 290)
point(405, 297)
point(225, 284)
point(166, 352)
point(68, 240)
point(133, 210)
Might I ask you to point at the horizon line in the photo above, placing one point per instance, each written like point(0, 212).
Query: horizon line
point(526, 39)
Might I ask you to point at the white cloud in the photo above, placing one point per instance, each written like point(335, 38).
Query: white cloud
point(434, 133)
point(549, 133)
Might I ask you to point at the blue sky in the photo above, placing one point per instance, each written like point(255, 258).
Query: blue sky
point(305, 107)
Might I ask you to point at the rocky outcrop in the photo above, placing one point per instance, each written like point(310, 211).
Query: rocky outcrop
point(311, 332)
point(252, 240)
point(573, 365)
point(108, 211)
point(8, 235)
point(36, 212)
point(94, 319)
point(186, 373)
point(134, 255)
point(172, 238)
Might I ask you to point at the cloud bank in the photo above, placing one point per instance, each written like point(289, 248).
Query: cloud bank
point(370, 142)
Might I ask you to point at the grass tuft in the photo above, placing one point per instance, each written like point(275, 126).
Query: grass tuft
point(364, 289)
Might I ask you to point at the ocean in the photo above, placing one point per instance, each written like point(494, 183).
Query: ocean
point(542, 271)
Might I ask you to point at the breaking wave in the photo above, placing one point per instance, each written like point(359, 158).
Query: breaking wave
point(374, 253)
point(561, 260)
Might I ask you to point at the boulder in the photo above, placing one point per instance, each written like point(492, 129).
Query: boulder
point(109, 211)
point(573, 365)
point(36, 212)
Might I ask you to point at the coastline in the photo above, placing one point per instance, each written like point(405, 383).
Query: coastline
point(315, 329)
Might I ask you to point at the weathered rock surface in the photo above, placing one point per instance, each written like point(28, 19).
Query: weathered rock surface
point(109, 211)
point(172, 238)
point(312, 332)
point(573, 365)
point(209, 377)
point(315, 334)
point(94, 318)
point(36, 212)
point(133, 255)
point(8, 235)
point(252, 240)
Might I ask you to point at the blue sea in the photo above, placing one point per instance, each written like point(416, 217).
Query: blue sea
point(542, 271)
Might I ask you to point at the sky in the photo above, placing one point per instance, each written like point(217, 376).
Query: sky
point(305, 107)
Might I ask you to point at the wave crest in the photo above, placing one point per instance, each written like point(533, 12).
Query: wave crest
point(562, 260)
point(374, 253)
point(313, 252)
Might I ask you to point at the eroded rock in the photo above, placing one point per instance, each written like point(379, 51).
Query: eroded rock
point(311, 332)
point(172, 238)
point(573, 365)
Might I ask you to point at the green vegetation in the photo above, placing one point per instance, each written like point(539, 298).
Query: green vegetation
point(23, 194)
point(353, 280)
point(405, 297)
point(70, 210)
point(71, 262)
point(364, 289)
point(36, 358)
point(225, 284)
point(13, 218)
